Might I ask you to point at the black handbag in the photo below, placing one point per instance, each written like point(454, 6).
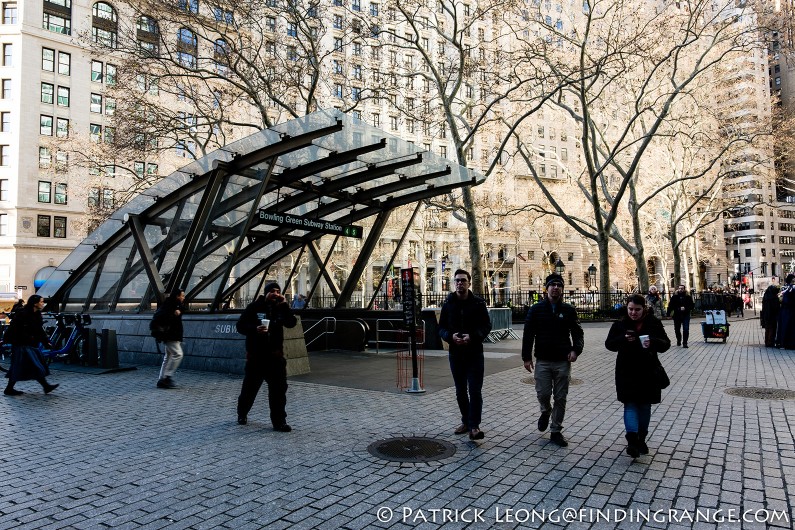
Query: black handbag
point(661, 377)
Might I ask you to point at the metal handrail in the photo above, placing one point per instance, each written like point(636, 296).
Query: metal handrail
point(325, 332)
point(378, 332)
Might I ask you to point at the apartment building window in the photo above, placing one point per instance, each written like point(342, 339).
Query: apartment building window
point(376, 120)
point(9, 12)
point(57, 16)
point(48, 60)
point(356, 93)
point(564, 154)
point(95, 132)
point(47, 92)
point(5, 122)
point(110, 134)
point(96, 71)
point(410, 126)
point(96, 103)
point(63, 96)
point(187, 47)
point(356, 5)
point(393, 123)
point(357, 114)
point(6, 89)
point(292, 53)
point(443, 151)
point(45, 125)
point(93, 198)
point(270, 23)
point(104, 26)
point(191, 6)
point(108, 201)
point(338, 3)
point(357, 72)
point(139, 168)
point(64, 63)
point(148, 35)
point(357, 49)
point(45, 191)
point(59, 226)
point(151, 169)
point(45, 157)
point(8, 54)
point(223, 15)
point(5, 154)
point(338, 90)
point(292, 29)
point(4, 189)
point(427, 147)
point(3, 224)
point(62, 128)
point(60, 193)
point(373, 9)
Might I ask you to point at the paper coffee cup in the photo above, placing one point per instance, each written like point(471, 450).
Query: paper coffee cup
point(643, 338)
point(265, 322)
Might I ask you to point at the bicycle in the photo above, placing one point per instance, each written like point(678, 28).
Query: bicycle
point(68, 339)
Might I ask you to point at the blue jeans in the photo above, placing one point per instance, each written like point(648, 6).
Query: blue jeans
point(637, 417)
point(467, 369)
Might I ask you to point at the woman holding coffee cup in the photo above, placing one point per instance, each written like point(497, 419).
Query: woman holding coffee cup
point(638, 337)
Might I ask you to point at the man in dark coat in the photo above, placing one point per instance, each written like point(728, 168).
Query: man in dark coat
point(553, 329)
point(169, 318)
point(263, 323)
point(464, 324)
point(680, 306)
point(785, 336)
point(770, 309)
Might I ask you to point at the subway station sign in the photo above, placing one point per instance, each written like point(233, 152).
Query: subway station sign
point(305, 223)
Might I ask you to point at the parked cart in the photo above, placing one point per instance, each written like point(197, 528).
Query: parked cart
point(715, 326)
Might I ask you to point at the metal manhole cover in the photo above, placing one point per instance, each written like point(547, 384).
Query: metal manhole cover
point(761, 393)
point(414, 449)
point(532, 381)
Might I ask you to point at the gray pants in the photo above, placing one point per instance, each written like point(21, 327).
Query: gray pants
point(171, 359)
point(552, 379)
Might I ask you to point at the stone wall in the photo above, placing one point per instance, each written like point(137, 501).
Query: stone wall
point(211, 342)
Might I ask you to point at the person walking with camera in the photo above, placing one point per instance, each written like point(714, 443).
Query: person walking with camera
point(263, 322)
point(637, 337)
point(464, 324)
point(553, 330)
point(166, 327)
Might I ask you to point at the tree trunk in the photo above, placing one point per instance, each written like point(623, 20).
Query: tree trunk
point(474, 241)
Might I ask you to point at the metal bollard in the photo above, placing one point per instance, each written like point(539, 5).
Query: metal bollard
point(90, 354)
point(110, 349)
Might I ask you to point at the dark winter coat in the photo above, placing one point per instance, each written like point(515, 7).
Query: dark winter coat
point(635, 364)
point(468, 316)
point(27, 329)
point(280, 316)
point(770, 306)
point(678, 301)
point(167, 316)
point(552, 335)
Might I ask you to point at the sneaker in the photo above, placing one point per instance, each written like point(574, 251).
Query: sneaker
point(282, 428)
point(543, 421)
point(558, 439)
point(12, 392)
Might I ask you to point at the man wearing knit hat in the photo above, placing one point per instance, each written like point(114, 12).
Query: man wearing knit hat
point(263, 323)
point(553, 329)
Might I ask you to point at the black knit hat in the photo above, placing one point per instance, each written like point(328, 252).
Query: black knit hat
point(270, 287)
point(554, 277)
point(789, 279)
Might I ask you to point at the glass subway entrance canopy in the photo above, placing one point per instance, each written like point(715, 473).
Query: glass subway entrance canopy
point(216, 226)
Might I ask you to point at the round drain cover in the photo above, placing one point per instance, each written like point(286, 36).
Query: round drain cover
point(761, 393)
point(415, 449)
point(532, 381)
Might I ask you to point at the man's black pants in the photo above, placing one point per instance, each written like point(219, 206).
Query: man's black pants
point(271, 368)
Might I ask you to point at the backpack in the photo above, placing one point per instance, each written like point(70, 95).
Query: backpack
point(157, 328)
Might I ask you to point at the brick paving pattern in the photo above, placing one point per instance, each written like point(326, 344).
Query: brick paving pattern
point(112, 451)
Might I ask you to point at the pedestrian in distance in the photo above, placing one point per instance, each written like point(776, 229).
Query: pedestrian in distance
point(771, 306)
point(25, 334)
point(680, 306)
point(464, 324)
point(654, 300)
point(637, 337)
point(786, 325)
point(263, 322)
point(166, 327)
point(553, 332)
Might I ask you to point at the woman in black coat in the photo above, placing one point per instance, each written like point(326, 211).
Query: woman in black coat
point(25, 334)
point(635, 366)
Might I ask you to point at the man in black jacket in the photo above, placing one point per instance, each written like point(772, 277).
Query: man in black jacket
point(464, 324)
point(553, 328)
point(680, 305)
point(169, 319)
point(263, 323)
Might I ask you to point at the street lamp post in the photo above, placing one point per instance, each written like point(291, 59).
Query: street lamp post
point(559, 267)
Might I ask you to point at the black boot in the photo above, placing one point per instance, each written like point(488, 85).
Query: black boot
point(642, 447)
point(11, 391)
point(632, 444)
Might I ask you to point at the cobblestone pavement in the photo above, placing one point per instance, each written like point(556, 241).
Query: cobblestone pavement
point(112, 451)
